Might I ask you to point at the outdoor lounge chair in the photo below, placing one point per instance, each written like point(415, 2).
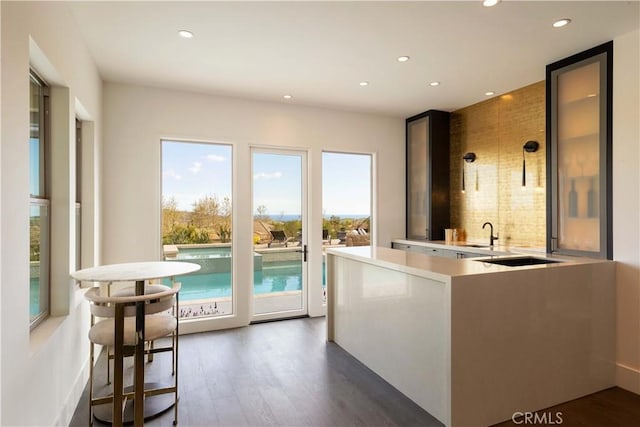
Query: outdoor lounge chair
point(278, 236)
point(358, 238)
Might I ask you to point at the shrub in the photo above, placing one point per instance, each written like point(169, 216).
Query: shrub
point(185, 234)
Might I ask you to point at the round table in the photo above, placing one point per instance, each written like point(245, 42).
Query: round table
point(138, 272)
point(135, 271)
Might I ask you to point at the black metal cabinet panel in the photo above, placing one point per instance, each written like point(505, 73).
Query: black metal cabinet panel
point(427, 175)
point(579, 129)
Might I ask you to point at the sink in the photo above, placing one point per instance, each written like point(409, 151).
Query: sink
point(519, 262)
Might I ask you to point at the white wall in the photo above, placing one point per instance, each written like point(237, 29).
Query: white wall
point(1, 237)
point(136, 118)
point(626, 206)
point(1, 240)
point(44, 372)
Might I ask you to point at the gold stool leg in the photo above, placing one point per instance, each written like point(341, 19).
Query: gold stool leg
point(108, 366)
point(174, 354)
point(91, 383)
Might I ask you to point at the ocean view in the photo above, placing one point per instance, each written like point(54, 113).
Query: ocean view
point(285, 218)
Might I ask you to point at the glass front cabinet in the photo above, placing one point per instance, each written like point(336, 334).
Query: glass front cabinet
point(427, 175)
point(579, 163)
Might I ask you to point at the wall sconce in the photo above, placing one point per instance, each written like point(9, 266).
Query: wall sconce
point(529, 147)
point(468, 158)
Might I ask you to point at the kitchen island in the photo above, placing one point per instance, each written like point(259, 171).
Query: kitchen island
point(473, 342)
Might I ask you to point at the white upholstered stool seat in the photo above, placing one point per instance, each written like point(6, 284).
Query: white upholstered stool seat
point(155, 326)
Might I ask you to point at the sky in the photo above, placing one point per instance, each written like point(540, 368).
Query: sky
point(277, 183)
point(346, 184)
point(34, 167)
point(191, 171)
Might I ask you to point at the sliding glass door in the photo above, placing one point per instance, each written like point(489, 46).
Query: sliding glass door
point(279, 226)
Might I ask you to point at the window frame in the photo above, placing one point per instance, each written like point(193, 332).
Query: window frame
point(41, 200)
point(78, 205)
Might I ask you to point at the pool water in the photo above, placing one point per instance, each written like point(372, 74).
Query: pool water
point(274, 277)
point(204, 253)
point(34, 297)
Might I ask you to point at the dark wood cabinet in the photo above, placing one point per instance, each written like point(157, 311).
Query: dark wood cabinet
point(579, 124)
point(427, 138)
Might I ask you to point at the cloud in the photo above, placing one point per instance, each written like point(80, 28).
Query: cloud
point(266, 176)
point(196, 167)
point(172, 174)
point(216, 158)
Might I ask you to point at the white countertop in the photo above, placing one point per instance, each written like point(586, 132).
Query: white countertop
point(472, 247)
point(442, 268)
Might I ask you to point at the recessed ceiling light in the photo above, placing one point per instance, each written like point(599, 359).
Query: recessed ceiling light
point(489, 3)
point(185, 34)
point(434, 84)
point(403, 58)
point(287, 96)
point(561, 23)
point(365, 83)
point(489, 93)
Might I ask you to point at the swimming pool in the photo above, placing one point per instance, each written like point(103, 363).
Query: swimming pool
point(275, 271)
point(273, 277)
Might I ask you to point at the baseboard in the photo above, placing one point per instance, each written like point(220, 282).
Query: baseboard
point(628, 378)
point(69, 407)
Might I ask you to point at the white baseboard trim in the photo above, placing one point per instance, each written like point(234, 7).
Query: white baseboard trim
point(69, 407)
point(628, 378)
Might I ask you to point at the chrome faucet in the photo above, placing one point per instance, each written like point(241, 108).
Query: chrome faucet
point(491, 236)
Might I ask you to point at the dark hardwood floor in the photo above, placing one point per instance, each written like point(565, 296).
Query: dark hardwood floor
point(273, 374)
point(286, 374)
point(613, 407)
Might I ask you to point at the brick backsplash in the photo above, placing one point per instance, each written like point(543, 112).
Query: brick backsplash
point(495, 130)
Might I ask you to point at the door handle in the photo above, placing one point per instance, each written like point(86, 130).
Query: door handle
point(303, 251)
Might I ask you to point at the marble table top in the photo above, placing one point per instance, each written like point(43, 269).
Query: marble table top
point(133, 271)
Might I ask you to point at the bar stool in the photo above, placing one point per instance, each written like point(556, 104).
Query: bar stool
point(130, 291)
point(118, 330)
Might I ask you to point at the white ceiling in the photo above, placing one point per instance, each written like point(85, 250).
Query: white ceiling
point(320, 51)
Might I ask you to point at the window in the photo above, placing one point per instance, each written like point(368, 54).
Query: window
point(346, 201)
point(197, 223)
point(39, 216)
point(78, 262)
point(346, 198)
